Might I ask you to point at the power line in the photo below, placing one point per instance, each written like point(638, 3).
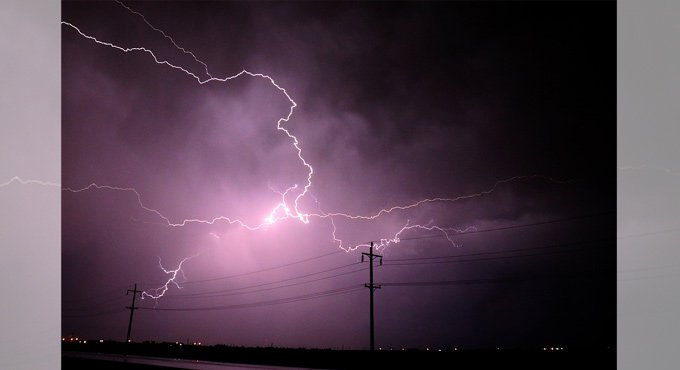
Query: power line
point(405, 261)
point(270, 283)
point(508, 279)
point(401, 239)
point(395, 262)
point(429, 260)
point(440, 235)
point(353, 288)
point(501, 251)
point(490, 259)
point(198, 295)
point(262, 270)
point(304, 297)
point(231, 292)
point(358, 287)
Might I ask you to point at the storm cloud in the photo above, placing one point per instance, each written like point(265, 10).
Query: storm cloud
point(396, 102)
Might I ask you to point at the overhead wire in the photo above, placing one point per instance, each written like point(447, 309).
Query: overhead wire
point(507, 279)
point(479, 231)
point(395, 262)
point(437, 260)
point(272, 282)
point(263, 270)
point(200, 295)
point(304, 297)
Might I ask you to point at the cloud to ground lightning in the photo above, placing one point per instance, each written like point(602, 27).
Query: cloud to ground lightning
point(289, 206)
point(172, 279)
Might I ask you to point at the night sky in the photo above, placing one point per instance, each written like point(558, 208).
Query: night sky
point(396, 102)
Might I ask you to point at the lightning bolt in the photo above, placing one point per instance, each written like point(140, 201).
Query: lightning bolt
point(383, 243)
point(282, 210)
point(185, 51)
point(295, 213)
point(438, 199)
point(289, 205)
point(157, 293)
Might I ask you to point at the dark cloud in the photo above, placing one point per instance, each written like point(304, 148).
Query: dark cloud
point(396, 102)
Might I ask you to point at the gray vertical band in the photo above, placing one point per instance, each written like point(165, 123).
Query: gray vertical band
point(648, 181)
point(30, 135)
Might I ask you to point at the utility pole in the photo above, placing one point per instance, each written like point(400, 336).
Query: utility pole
point(372, 287)
point(132, 309)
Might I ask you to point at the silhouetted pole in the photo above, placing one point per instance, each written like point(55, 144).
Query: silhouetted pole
point(372, 287)
point(132, 310)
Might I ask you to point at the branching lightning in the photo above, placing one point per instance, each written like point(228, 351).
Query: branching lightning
point(185, 51)
point(160, 291)
point(433, 200)
point(383, 243)
point(289, 205)
point(289, 212)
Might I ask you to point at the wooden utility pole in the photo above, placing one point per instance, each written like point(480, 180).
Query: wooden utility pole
point(372, 287)
point(132, 310)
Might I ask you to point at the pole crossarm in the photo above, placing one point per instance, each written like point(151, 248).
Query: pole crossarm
point(132, 309)
point(372, 287)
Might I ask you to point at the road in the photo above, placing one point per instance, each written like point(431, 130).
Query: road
point(166, 362)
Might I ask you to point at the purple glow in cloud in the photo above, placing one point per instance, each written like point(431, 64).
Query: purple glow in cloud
point(198, 154)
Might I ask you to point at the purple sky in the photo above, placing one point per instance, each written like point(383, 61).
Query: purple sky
point(397, 102)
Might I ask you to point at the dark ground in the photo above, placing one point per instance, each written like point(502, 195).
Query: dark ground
point(341, 359)
point(81, 363)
